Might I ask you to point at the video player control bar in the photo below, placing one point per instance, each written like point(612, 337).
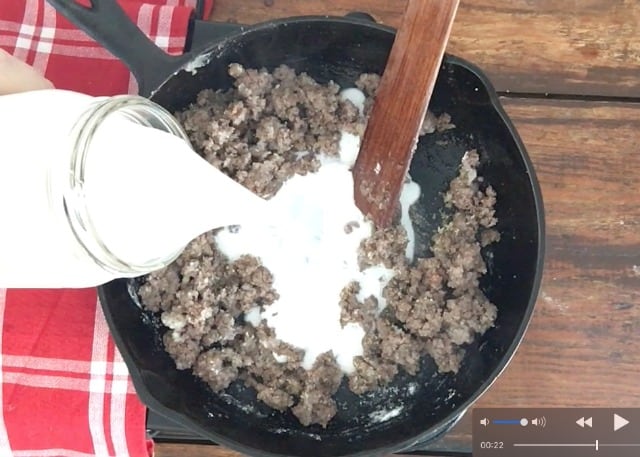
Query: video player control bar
point(571, 432)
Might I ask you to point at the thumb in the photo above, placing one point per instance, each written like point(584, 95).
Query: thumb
point(17, 76)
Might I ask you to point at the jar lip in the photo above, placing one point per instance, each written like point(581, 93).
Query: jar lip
point(141, 111)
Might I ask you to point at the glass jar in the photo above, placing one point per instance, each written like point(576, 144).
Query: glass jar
point(47, 234)
point(142, 112)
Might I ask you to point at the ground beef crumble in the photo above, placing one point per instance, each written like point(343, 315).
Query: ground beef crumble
point(261, 132)
point(435, 305)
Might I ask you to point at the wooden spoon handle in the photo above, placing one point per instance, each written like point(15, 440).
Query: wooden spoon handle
point(400, 106)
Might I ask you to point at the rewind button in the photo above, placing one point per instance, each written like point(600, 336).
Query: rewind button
point(582, 422)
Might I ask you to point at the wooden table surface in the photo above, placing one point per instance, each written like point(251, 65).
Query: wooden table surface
point(570, 71)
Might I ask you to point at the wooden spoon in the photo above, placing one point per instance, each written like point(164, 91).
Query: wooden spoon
point(400, 106)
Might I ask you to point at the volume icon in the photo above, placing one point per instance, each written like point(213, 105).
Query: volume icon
point(484, 421)
point(539, 421)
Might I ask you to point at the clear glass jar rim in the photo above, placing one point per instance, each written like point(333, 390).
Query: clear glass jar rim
point(138, 109)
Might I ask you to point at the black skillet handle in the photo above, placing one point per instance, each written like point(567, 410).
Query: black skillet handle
point(108, 24)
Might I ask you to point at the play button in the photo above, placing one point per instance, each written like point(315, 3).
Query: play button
point(619, 422)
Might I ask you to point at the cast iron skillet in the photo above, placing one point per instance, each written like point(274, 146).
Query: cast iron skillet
point(338, 49)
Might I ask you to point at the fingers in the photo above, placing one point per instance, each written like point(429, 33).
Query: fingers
point(17, 76)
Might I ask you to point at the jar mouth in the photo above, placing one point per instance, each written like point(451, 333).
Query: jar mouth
point(138, 110)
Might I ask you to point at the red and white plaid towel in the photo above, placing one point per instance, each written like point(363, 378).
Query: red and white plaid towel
point(65, 391)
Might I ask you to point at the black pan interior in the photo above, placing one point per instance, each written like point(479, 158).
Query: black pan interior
point(339, 50)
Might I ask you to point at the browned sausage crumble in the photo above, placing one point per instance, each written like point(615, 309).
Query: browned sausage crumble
point(261, 132)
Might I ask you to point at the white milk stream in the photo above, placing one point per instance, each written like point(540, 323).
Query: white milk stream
point(164, 195)
point(312, 258)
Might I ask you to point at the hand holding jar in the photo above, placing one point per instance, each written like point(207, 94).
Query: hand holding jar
point(16, 76)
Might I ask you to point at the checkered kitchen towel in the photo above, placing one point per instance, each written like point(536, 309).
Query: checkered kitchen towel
point(32, 31)
point(65, 390)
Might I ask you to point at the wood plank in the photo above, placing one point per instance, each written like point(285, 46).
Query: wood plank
point(583, 345)
point(190, 450)
point(585, 47)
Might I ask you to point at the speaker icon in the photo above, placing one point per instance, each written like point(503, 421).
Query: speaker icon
point(539, 421)
point(484, 421)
